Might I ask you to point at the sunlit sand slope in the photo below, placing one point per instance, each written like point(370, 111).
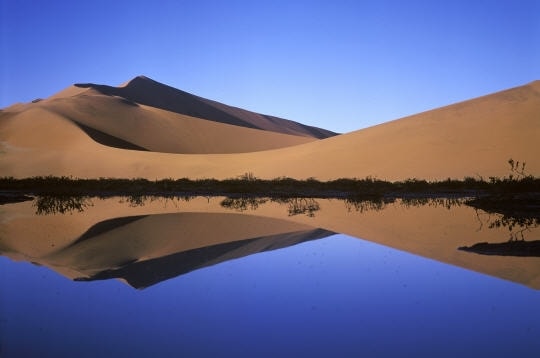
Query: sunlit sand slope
point(471, 138)
point(117, 122)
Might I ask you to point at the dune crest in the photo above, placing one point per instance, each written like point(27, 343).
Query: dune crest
point(146, 91)
point(147, 115)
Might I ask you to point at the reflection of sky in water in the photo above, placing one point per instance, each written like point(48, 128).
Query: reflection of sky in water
point(338, 296)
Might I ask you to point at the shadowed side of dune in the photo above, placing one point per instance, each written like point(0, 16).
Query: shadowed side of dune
point(107, 139)
point(143, 274)
point(105, 226)
point(116, 122)
point(146, 91)
point(273, 123)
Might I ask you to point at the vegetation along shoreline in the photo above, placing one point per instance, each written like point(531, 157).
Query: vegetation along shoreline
point(523, 192)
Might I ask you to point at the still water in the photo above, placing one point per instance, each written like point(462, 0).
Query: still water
point(221, 277)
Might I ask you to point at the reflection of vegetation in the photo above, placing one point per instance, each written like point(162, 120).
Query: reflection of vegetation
point(136, 200)
point(309, 206)
point(509, 204)
point(362, 205)
point(447, 203)
point(295, 206)
point(516, 245)
point(243, 203)
point(61, 204)
point(298, 206)
point(141, 200)
point(376, 204)
point(516, 213)
point(516, 226)
point(64, 204)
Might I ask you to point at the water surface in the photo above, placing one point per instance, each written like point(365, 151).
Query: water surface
point(222, 277)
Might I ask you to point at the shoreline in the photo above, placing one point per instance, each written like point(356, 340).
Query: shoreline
point(519, 197)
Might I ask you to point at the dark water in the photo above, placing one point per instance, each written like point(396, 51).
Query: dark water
point(316, 295)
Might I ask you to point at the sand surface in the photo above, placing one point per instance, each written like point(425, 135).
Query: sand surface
point(471, 138)
point(115, 122)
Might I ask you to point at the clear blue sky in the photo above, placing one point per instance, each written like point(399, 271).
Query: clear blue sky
point(341, 65)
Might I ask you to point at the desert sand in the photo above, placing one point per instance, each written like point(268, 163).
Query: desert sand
point(84, 130)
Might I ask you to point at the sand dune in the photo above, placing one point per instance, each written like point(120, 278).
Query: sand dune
point(117, 122)
point(471, 138)
point(146, 91)
point(161, 131)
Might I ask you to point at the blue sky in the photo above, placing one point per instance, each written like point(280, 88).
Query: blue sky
point(341, 65)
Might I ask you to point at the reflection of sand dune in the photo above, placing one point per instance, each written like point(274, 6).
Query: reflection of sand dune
point(471, 138)
point(433, 232)
point(142, 238)
point(155, 247)
point(140, 274)
point(173, 237)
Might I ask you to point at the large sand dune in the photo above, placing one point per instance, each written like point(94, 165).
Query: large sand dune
point(51, 137)
point(119, 122)
point(146, 91)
